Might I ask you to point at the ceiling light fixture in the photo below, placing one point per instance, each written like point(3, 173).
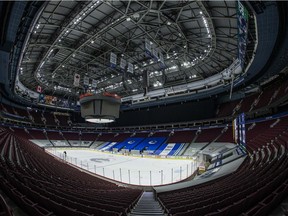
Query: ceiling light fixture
point(100, 108)
point(100, 120)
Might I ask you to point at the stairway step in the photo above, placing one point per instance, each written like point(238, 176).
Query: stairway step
point(147, 210)
point(147, 206)
point(143, 208)
point(153, 204)
point(145, 214)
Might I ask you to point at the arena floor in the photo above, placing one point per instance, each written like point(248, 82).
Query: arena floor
point(132, 170)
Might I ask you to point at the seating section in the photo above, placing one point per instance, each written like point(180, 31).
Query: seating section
point(42, 185)
point(7, 108)
point(169, 149)
point(264, 132)
point(107, 146)
point(226, 109)
point(49, 117)
point(4, 208)
point(160, 134)
point(106, 137)
point(256, 188)
point(182, 137)
point(248, 103)
point(22, 132)
point(71, 135)
point(227, 136)
point(20, 112)
point(129, 143)
point(62, 120)
point(120, 137)
point(255, 101)
point(208, 135)
point(36, 116)
point(38, 134)
point(14, 114)
point(89, 136)
point(150, 144)
point(54, 135)
point(282, 91)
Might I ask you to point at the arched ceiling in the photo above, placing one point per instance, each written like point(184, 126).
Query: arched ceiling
point(197, 39)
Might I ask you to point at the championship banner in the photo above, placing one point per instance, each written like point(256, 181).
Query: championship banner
point(86, 81)
point(161, 57)
point(148, 47)
point(130, 68)
point(123, 64)
point(155, 53)
point(76, 80)
point(113, 60)
point(94, 83)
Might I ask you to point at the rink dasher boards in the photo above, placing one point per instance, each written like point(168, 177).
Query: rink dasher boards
point(125, 155)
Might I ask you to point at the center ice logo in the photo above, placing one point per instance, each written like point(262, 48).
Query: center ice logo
point(131, 142)
point(152, 142)
point(100, 160)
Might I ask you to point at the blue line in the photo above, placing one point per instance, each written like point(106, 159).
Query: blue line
point(242, 150)
point(237, 152)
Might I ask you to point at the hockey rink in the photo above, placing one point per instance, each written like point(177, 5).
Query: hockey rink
point(129, 169)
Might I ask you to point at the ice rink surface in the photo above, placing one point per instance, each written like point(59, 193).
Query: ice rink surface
point(128, 169)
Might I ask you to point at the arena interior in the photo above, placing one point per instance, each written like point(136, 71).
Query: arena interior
point(143, 108)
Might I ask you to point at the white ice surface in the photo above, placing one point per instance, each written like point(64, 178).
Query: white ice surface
point(127, 169)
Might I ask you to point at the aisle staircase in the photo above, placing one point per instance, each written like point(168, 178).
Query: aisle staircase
point(147, 205)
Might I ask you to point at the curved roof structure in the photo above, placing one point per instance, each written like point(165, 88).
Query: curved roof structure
point(196, 39)
point(162, 51)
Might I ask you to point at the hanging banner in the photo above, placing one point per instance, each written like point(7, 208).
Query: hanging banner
point(94, 83)
point(113, 59)
point(86, 81)
point(76, 80)
point(130, 68)
point(148, 46)
point(161, 57)
point(123, 63)
point(155, 53)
